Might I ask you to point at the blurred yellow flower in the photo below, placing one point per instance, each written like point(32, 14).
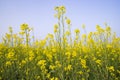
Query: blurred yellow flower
point(98, 62)
point(24, 26)
point(10, 55)
point(10, 29)
point(67, 33)
point(57, 63)
point(56, 26)
point(41, 62)
point(108, 28)
point(111, 68)
point(68, 21)
point(54, 78)
point(77, 31)
point(83, 26)
point(80, 72)
point(83, 63)
point(68, 68)
point(52, 67)
point(8, 63)
point(74, 54)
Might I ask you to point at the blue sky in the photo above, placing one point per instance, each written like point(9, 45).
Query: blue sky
point(39, 14)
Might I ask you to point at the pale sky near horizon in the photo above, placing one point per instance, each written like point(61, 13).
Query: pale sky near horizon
point(39, 14)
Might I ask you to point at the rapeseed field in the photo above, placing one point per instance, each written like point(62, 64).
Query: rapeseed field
point(60, 56)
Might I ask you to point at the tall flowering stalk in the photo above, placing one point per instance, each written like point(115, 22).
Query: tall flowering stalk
point(60, 16)
point(25, 31)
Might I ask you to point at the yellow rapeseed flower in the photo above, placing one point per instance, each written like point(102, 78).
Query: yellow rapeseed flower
point(77, 31)
point(68, 21)
point(48, 75)
point(74, 54)
point(10, 29)
point(54, 50)
point(98, 27)
point(111, 68)
point(98, 62)
point(23, 62)
point(56, 8)
point(10, 55)
point(8, 63)
point(31, 55)
point(83, 63)
point(83, 26)
point(108, 28)
point(109, 46)
point(68, 54)
point(62, 8)
point(52, 67)
point(68, 68)
point(54, 78)
point(57, 63)
point(67, 33)
point(56, 26)
point(41, 62)
point(83, 36)
point(80, 72)
point(50, 36)
point(8, 36)
point(24, 26)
